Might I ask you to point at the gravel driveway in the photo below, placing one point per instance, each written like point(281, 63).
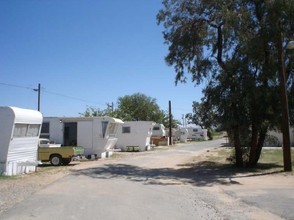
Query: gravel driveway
point(157, 183)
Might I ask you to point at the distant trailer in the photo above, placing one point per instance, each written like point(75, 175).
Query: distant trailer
point(97, 135)
point(158, 130)
point(182, 134)
point(159, 135)
point(135, 135)
point(197, 133)
point(19, 135)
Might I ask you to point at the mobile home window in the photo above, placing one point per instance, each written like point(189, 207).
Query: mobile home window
point(112, 129)
point(33, 130)
point(45, 128)
point(20, 130)
point(104, 126)
point(126, 130)
point(26, 130)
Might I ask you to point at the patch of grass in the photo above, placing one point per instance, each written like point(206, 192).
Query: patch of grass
point(273, 155)
point(271, 160)
point(6, 177)
point(219, 155)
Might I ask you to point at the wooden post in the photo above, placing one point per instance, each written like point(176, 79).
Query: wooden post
point(170, 123)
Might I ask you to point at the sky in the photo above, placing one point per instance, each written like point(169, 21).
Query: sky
point(86, 53)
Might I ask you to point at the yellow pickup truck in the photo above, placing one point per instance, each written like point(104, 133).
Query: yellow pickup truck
point(56, 154)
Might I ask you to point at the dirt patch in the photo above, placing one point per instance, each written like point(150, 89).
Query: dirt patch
point(208, 169)
point(15, 189)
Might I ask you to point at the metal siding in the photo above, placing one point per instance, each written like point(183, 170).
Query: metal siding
point(6, 127)
point(23, 149)
point(21, 154)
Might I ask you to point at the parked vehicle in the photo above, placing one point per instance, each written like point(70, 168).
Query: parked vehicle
point(56, 154)
point(43, 142)
point(19, 135)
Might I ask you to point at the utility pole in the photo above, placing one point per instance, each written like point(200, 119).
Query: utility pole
point(110, 107)
point(39, 96)
point(170, 122)
point(183, 118)
point(285, 109)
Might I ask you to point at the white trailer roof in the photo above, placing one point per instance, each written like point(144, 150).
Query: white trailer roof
point(75, 119)
point(23, 115)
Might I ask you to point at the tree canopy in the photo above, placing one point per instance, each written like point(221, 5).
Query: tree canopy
point(234, 46)
point(135, 107)
point(139, 107)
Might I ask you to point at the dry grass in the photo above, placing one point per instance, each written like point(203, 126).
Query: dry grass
point(271, 160)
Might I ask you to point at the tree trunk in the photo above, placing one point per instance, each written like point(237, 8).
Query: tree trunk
point(253, 146)
point(259, 146)
point(257, 142)
point(238, 149)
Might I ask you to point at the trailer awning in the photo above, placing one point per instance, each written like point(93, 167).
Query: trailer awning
point(116, 120)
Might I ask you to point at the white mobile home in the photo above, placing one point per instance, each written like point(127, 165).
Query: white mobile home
point(19, 135)
point(182, 134)
point(197, 133)
point(275, 138)
point(158, 130)
point(135, 134)
point(96, 134)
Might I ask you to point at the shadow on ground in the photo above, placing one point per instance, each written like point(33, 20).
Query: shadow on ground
point(203, 173)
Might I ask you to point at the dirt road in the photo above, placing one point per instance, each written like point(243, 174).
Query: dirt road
point(160, 184)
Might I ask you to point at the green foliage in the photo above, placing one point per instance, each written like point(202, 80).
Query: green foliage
point(233, 44)
point(202, 115)
point(139, 107)
point(135, 107)
point(96, 112)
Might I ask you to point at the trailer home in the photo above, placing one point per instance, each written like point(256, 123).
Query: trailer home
point(158, 130)
point(181, 135)
point(19, 135)
point(197, 133)
point(97, 135)
point(275, 138)
point(135, 135)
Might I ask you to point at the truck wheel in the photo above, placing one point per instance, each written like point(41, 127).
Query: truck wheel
point(55, 160)
point(66, 161)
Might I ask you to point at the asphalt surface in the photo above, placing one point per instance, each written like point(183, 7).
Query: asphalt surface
point(150, 185)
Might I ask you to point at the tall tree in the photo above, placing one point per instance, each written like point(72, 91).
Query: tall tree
point(139, 107)
point(233, 44)
point(95, 112)
point(135, 107)
point(202, 115)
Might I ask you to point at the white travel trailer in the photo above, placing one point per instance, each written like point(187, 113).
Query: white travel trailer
point(182, 135)
point(19, 135)
point(275, 138)
point(158, 130)
point(135, 135)
point(97, 135)
point(197, 133)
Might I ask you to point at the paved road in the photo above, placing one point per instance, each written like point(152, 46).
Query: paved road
point(153, 185)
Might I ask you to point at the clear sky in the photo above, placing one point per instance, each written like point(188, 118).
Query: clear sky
point(85, 53)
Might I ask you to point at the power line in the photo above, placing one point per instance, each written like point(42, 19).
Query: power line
point(49, 92)
point(18, 86)
point(69, 97)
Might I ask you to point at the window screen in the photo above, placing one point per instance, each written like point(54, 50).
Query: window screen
point(26, 130)
point(126, 130)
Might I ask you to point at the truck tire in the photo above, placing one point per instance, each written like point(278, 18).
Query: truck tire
point(55, 160)
point(66, 161)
